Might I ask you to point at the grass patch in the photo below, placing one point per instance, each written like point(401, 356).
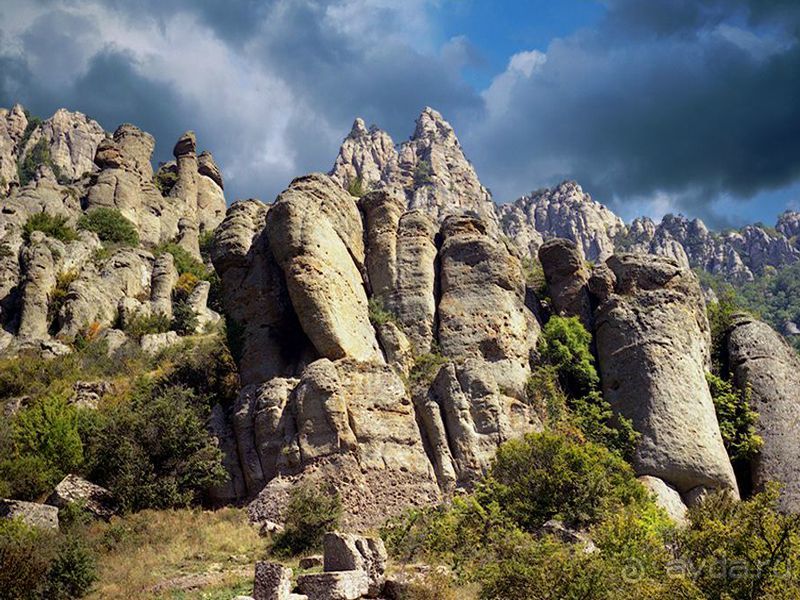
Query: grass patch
point(147, 549)
point(110, 226)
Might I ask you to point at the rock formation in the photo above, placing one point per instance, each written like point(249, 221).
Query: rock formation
point(565, 211)
point(430, 169)
point(652, 341)
point(761, 360)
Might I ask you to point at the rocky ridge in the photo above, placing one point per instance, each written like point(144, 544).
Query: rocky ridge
point(96, 170)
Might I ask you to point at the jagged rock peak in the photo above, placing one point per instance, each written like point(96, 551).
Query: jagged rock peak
point(430, 123)
point(359, 129)
point(564, 211)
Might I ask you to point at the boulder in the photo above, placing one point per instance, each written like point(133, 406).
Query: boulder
point(87, 394)
point(311, 562)
point(667, 497)
point(652, 339)
point(760, 359)
point(94, 499)
point(334, 585)
point(567, 277)
point(33, 514)
point(153, 343)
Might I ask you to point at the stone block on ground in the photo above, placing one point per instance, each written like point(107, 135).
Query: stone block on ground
point(272, 581)
point(334, 585)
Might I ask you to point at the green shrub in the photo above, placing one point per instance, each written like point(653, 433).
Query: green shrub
point(378, 315)
point(25, 556)
point(568, 379)
point(206, 243)
point(184, 319)
point(423, 174)
point(26, 477)
point(565, 344)
point(165, 180)
point(426, 367)
point(720, 315)
point(742, 550)
point(547, 475)
point(208, 370)
point(58, 295)
point(534, 276)
point(356, 187)
point(37, 564)
point(52, 226)
point(184, 261)
point(154, 451)
point(48, 429)
point(142, 324)
point(72, 571)
point(184, 287)
point(110, 226)
point(311, 512)
point(38, 155)
point(736, 419)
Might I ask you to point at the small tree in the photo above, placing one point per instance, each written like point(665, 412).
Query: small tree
point(312, 511)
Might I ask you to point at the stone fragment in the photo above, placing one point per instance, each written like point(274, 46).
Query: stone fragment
point(348, 552)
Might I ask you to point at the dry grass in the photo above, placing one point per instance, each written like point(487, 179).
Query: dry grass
point(175, 554)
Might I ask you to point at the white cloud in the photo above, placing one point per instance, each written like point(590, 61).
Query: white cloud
point(521, 65)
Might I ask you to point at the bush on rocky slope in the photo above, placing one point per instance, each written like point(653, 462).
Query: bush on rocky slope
point(51, 225)
point(110, 226)
point(311, 512)
point(494, 537)
point(565, 388)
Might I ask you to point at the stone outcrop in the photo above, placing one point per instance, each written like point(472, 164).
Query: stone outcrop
point(760, 359)
point(316, 235)
point(33, 514)
point(92, 498)
point(667, 497)
point(72, 139)
point(430, 169)
point(13, 123)
point(652, 341)
point(567, 277)
point(364, 157)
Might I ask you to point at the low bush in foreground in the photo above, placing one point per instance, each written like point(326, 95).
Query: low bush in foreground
point(311, 512)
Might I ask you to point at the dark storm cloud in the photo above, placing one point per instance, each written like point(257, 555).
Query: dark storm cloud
point(694, 100)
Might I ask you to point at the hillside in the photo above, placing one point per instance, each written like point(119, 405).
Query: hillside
point(380, 340)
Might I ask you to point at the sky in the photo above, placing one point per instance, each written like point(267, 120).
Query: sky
point(654, 106)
